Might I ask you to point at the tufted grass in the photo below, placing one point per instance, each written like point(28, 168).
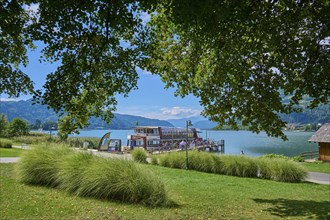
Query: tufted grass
point(273, 168)
point(86, 175)
point(195, 195)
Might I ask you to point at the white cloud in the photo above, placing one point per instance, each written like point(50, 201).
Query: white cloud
point(161, 113)
point(142, 71)
point(180, 112)
point(8, 99)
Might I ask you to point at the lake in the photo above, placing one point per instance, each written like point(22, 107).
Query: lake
point(252, 144)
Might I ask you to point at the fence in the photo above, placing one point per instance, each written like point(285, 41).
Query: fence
point(310, 155)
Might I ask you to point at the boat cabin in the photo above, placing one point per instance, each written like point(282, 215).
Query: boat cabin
point(155, 137)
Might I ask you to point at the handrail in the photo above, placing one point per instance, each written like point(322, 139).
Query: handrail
point(311, 154)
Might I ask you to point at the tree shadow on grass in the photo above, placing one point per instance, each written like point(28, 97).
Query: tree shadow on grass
point(296, 208)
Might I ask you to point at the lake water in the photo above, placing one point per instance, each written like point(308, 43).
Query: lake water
point(252, 144)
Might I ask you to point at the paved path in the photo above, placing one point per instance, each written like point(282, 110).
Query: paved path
point(9, 159)
point(321, 178)
point(314, 177)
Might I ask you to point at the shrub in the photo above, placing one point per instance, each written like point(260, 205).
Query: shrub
point(154, 160)
point(239, 166)
point(40, 165)
point(173, 160)
point(298, 159)
point(35, 138)
point(77, 142)
point(83, 174)
point(139, 155)
point(275, 156)
point(164, 160)
point(122, 180)
point(72, 169)
point(200, 161)
point(4, 143)
point(217, 163)
point(280, 169)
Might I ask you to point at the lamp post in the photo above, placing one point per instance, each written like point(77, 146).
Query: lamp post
point(188, 123)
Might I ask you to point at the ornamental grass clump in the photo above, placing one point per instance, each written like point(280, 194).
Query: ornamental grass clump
point(139, 155)
point(176, 160)
point(282, 170)
point(201, 161)
point(4, 143)
point(72, 169)
point(122, 180)
point(239, 166)
point(84, 174)
point(173, 160)
point(40, 165)
point(154, 160)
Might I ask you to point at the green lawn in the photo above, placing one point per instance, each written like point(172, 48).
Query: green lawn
point(10, 152)
point(317, 167)
point(195, 196)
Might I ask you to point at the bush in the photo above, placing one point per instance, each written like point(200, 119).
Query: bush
point(241, 166)
point(40, 166)
point(121, 180)
point(83, 174)
point(200, 161)
point(173, 160)
point(154, 160)
point(72, 170)
point(280, 169)
point(77, 142)
point(298, 159)
point(139, 155)
point(270, 156)
point(35, 138)
point(4, 143)
point(274, 167)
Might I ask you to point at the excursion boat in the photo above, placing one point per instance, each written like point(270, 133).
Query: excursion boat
point(161, 138)
point(157, 138)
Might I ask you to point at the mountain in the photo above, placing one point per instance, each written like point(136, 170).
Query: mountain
point(205, 124)
point(33, 112)
point(182, 121)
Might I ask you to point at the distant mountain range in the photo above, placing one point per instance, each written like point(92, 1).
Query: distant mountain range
point(197, 122)
point(26, 110)
point(33, 112)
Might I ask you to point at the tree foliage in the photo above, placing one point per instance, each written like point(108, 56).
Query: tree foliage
point(237, 57)
point(13, 42)
point(4, 126)
point(18, 127)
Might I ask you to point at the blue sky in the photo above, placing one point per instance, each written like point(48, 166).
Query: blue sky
point(149, 100)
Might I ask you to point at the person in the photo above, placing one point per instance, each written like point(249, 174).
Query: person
point(242, 153)
point(182, 145)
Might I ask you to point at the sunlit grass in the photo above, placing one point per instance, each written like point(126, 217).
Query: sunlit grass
point(91, 176)
point(317, 167)
point(197, 195)
point(277, 169)
point(10, 152)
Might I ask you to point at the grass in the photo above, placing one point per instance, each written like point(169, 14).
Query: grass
point(317, 167)
point(278, 169)
point(10, 152)
point(196, 195)
point(139, 155)
point(87, 175)
point(5, 143)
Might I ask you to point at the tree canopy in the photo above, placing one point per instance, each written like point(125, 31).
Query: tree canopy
point(238, 57)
